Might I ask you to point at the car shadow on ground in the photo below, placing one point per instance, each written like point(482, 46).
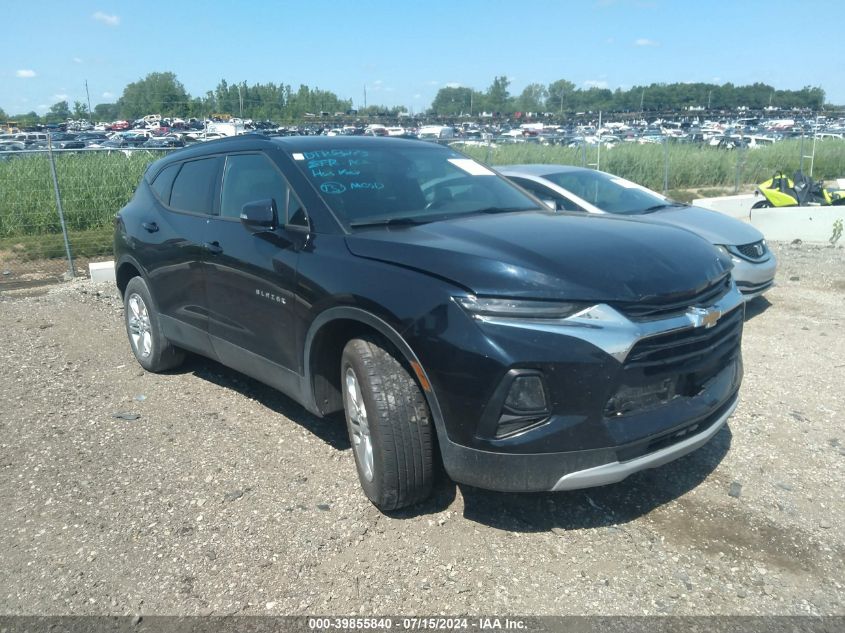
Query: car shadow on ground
point(331, 429)
point(756, 307)
point(605, 506)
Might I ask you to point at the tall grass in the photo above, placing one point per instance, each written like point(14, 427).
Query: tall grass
point(95, 185)
point(690, 166)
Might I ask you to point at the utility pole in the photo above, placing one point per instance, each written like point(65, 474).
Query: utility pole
point(87, 94)
point(365, 96)
point(240, 102)
point(642, 96)
point(709, 94)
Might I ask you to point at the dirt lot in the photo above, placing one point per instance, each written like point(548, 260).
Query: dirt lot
point(224, 497)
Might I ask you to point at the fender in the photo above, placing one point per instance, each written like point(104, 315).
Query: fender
point(390, 333)
point(128, 259)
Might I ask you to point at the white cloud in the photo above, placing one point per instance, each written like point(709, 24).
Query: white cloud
point(60, 97)
point(108, 95)
point(77, 60)
point(42, 107)
point(644, 41)
point(105, 18)
point(418, 96)
point(433, 83)
point(453, 84)
point(595, 83)
point(25, 73)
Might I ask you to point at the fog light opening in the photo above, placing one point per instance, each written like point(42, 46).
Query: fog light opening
point(525, 406)
point(526, 395)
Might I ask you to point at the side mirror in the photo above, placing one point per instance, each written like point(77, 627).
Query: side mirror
point(260, 215)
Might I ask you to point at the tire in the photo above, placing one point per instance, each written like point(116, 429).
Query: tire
point(762, 204)
point(389, 424)
point(151, 348)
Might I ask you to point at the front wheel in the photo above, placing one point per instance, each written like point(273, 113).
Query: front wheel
point(389, 425)
point(151, 348)
point(762, 204)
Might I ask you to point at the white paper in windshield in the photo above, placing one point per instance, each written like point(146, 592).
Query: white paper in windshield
point(471, 167)
point(625, 183)
point(298, 156)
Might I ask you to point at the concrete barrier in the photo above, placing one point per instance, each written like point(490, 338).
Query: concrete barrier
point(737, 207)
point(101, 271)
point(809, 224)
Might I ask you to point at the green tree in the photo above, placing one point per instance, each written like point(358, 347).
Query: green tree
point(533, 98)
point(157, 93)
point(106, 112)
point(3, 115)
point(456, 100)
point(80, 110)
point(26, 120)
point(497, 98)
point(560, 92)
point(58, 112)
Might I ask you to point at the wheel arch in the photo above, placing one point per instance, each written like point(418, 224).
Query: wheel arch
point(127, 268)
point(324, 343)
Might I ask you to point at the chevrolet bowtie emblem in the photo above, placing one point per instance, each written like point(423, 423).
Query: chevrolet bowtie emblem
point(704, 317)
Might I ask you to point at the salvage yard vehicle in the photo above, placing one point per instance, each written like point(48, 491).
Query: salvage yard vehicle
point(437, 305)
point(799, 191)
point(588, 190)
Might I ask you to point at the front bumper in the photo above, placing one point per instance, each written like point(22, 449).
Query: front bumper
point(754, 278)
point(613, 472)
point(600, 431)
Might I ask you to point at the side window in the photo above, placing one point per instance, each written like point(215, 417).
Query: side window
point(544, 193)
point(194, 187)
point(164, 182)
point(296, 212)
point(251, 177)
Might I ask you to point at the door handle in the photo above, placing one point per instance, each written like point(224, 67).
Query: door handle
point(213, 247)
point(150, 227)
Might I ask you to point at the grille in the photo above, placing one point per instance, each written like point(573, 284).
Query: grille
point(659, 309)
point(685, 350)
point(751, 250)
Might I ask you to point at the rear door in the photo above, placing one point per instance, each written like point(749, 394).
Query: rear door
point(176, 247)
point(251, 276)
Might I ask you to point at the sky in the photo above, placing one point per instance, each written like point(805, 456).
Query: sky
point(404, 51)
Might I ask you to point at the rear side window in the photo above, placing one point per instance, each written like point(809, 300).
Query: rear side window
point(195, 186)
point(164, 182)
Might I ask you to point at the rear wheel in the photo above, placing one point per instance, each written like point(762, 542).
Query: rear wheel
point(151, 348)
point(762, 204)
point(389, 425)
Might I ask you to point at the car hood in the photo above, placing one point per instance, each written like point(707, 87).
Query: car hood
point(551, 256)
point(715, 227)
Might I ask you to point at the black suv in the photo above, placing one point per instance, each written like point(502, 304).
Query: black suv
point(443, 308)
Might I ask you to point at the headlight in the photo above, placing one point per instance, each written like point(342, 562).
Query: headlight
point(519, 308)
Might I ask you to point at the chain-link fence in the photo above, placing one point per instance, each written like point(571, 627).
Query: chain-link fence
point(57, 210)
point(57, 207)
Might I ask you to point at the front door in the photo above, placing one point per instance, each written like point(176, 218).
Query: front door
point(251, 276)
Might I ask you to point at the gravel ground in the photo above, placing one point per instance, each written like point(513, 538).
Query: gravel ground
point(204, 492)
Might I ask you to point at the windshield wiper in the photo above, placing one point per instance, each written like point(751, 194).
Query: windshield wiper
point(664, 205)
point(492, 210)
point(388, 222)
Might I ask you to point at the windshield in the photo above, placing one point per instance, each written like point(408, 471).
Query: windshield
point(376, 184)
point(609, 193)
